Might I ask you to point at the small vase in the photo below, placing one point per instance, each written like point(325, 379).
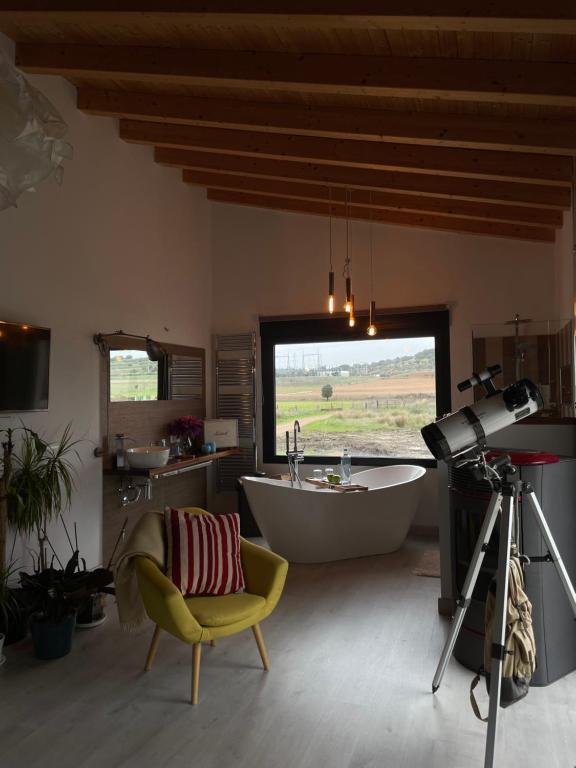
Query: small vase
point(192, 445)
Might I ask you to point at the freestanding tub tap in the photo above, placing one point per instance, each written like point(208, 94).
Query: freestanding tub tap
point(294, 456)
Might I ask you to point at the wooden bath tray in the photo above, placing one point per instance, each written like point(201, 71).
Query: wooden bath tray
point(335, 486)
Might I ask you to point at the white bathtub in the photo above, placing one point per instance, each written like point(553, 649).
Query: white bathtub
point(314, 525)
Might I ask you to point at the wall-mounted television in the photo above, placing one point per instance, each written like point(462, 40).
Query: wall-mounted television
point(24, 367)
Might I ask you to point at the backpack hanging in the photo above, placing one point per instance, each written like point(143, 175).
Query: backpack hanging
point(520, 657)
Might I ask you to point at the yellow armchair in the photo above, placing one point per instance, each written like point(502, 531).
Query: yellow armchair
point(196, 620)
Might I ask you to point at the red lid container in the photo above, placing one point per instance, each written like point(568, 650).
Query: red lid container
point(525, 458)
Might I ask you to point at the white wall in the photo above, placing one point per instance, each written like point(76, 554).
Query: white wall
point(123, 243)
point(275, 263)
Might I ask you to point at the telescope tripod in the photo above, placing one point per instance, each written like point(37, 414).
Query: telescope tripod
point(503, 499)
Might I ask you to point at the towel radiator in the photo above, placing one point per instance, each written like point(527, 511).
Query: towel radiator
point(235, 398)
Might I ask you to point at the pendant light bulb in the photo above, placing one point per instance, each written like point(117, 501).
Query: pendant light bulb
point(352, 318)
point(372, 330)
point(331, 292)
point(349, 301)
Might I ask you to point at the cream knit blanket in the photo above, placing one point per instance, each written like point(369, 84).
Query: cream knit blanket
point(146, 540)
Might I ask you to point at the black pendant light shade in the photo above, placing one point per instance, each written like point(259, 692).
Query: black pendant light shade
point(331, 292)
point(154, 350)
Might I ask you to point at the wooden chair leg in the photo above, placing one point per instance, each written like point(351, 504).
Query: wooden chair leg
point(261, 647)
point(152, 650)
point(196, 654)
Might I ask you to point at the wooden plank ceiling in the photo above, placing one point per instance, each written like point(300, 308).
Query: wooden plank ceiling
point(444, 114)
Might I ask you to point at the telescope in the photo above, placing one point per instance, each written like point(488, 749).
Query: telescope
point(469, 427)
point(448, 439)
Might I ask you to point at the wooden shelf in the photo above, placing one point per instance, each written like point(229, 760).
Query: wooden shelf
point(177, 466)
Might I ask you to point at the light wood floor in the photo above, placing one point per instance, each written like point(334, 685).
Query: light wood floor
point(353, 648)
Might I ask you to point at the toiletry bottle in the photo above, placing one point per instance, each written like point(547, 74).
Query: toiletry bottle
point(345, 467)
point(119, 451)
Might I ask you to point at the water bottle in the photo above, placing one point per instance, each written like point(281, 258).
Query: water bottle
point(345, 467)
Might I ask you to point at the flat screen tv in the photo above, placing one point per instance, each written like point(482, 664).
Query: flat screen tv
point(24, 367)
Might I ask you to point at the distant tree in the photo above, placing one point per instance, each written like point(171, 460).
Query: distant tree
point(327, 391)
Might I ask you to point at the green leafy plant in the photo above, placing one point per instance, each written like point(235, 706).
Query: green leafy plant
point(55, 593)
point(50, 593)
point(36, 483)
point(9, 605)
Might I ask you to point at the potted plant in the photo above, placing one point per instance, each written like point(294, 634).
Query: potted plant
point(36, 482)
point(57, 595)
point(9, 608)
point(13, 615)
point(189, 429)
point(54, 617)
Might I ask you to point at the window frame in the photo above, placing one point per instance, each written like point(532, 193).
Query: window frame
point(391, 325)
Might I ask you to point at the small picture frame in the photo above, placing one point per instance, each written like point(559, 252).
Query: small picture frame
point(222, 432)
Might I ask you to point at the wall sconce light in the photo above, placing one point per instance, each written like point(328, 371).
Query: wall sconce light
point(154, 351)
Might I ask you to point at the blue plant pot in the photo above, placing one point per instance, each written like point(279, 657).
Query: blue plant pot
point(52, 640)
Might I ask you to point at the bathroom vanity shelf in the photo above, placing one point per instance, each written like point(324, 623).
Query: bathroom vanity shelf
point(177, 467)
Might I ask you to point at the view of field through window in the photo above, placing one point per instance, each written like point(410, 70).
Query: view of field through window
point(371, 396)
point(132, 376)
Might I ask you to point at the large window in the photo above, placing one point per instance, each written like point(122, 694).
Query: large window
point(371, 396)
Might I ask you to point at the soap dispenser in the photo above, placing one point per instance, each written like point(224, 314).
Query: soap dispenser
point(119, 451)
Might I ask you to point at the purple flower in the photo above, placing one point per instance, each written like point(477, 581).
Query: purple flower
point(187, 426)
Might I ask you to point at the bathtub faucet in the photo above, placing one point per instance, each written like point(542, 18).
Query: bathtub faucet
point(294, 456)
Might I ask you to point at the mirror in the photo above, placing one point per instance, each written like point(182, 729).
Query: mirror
point(538, 350)
point(133, 377)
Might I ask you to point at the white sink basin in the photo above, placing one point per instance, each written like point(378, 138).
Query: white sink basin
point(147, 457)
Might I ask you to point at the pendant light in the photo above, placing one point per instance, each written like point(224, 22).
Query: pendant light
point(349, 302)
point(352, 316)
point(331, 272)
point(371, 330)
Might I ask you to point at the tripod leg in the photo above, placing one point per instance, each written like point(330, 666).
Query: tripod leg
point(552, 548)
point(468, 588)
point(499, 629)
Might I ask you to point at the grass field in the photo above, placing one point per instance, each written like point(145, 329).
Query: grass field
point(367, 414)
point(134, 388)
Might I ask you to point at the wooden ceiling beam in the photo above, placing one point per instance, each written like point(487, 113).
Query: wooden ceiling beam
point(505, 192)
point(555, 137)
point(402, 218)
point(517, 214)
point(411, 158)
point(503, 82)
point(530, 16)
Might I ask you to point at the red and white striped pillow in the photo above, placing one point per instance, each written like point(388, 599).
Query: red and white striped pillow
point(204, 552)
